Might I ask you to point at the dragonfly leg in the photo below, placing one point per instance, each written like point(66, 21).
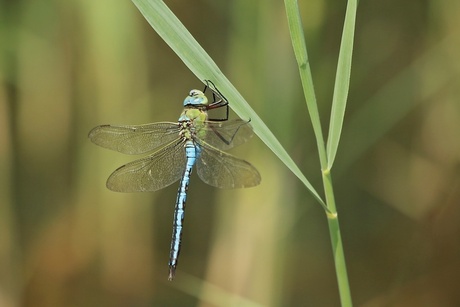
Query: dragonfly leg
point(228, 141)
point(218, 101)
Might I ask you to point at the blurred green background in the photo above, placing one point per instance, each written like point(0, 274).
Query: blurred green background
point(65, 240)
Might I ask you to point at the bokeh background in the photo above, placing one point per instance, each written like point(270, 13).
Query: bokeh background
point(65, 240)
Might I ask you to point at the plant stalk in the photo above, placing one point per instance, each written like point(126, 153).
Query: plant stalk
point(300, 51)
point(336, 241)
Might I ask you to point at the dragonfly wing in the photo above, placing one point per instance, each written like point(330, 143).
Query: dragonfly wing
point(223, 170)
point(226, 134)
point(151, 173)
point(134, 139)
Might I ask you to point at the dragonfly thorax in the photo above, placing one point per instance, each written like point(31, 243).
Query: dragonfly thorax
point(192, 121)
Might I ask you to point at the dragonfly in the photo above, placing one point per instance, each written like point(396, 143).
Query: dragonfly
point(194, 140)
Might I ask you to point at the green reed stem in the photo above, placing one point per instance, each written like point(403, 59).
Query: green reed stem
point(340, 94)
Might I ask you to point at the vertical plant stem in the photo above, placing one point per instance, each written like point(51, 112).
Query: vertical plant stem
point(300, 51)
point(336, 241)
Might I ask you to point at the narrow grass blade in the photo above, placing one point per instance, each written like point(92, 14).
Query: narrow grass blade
point(301, 55)
point(173, 32)
point(211, 293)
point(300, 50)
point(342, 83)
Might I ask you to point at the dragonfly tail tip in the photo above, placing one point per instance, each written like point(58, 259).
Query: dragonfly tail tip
point(172, 273)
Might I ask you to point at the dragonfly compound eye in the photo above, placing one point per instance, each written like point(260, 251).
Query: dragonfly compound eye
point(194, 93)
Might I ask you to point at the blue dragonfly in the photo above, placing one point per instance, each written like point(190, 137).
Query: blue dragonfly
point(195, 139)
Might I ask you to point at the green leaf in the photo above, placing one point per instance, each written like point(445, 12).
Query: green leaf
point(301, 55)
point(342, 83)
point(173, 32)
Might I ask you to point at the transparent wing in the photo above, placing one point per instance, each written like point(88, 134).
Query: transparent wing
point(152, 173)
point(226, 134)
point(134, 140)
point(223, 170)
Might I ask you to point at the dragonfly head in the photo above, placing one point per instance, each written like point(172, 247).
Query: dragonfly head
point(196, 98)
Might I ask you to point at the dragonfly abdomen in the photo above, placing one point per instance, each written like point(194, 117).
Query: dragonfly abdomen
point(191, 152)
